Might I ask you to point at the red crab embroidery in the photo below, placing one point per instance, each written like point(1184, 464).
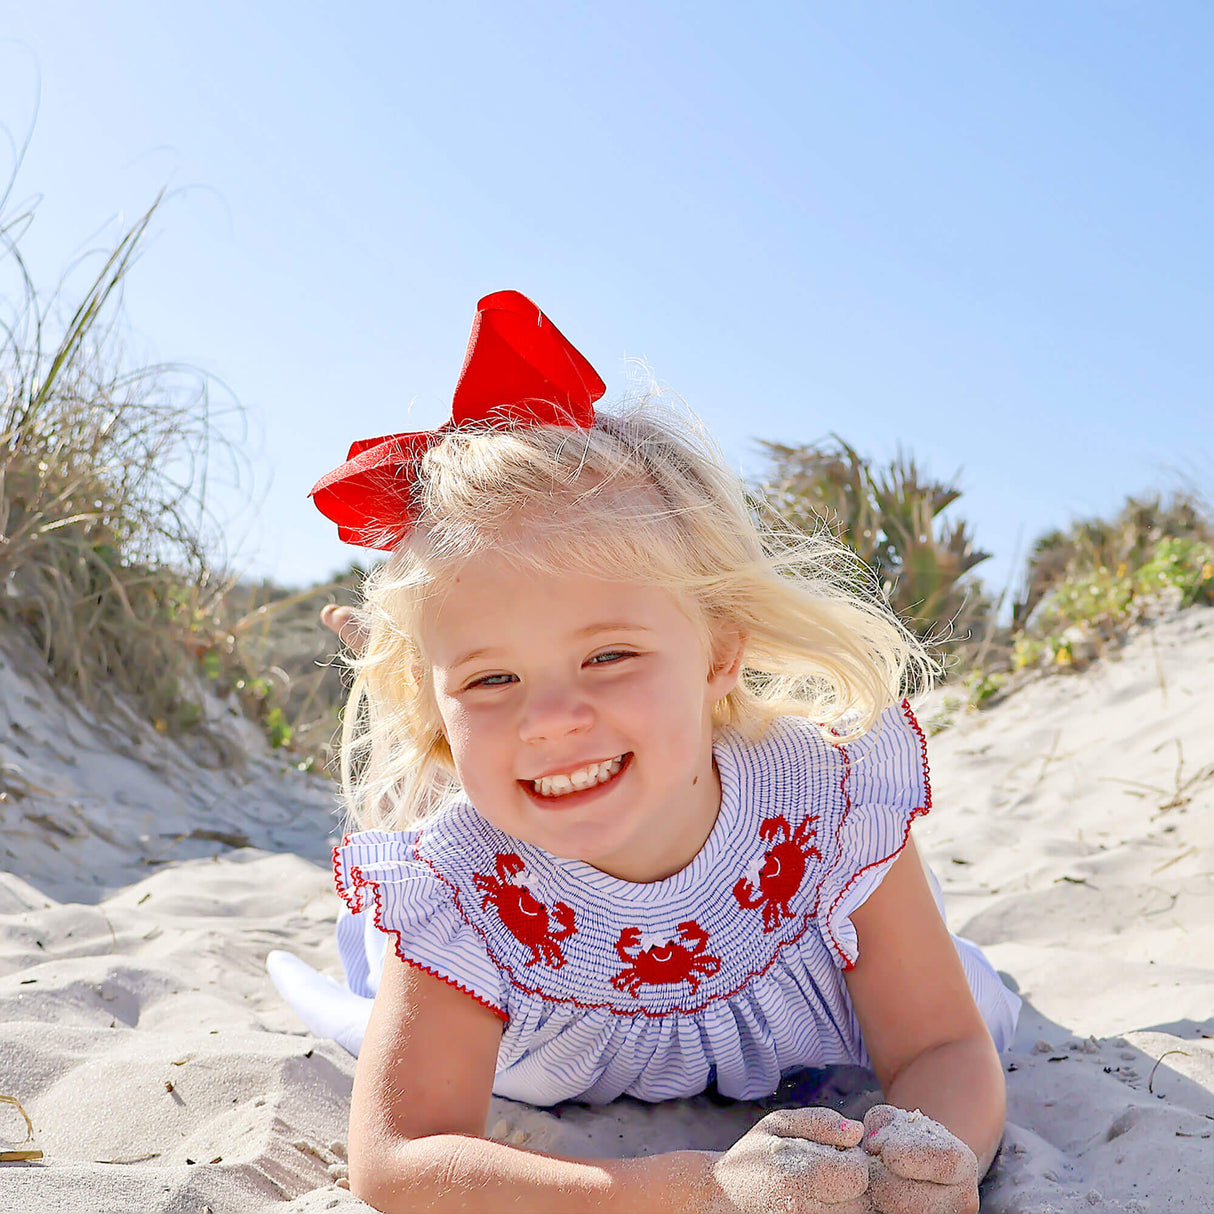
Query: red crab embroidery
point(522, 914)
point(658, 961)
point(778, 875)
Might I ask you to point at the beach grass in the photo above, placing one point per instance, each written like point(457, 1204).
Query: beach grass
point(102, 480)
point(110, 559)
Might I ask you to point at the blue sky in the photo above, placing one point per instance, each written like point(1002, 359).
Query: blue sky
point(979, 231)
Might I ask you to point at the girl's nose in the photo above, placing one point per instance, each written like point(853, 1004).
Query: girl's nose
point(553, 714)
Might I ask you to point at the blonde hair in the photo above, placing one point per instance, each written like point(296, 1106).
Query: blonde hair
point(644, 495)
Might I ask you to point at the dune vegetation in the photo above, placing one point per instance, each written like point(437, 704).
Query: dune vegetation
point(1081, 588)
point(109, 559)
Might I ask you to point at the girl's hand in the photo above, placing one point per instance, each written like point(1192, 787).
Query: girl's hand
point(803, 1159)
point(917, 1166)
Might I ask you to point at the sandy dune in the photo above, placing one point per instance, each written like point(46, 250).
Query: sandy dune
point(1073, 833)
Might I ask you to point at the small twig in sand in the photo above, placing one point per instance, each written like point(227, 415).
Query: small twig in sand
point(24, 1156)
point(1052, 757)
point(13, 781)
point(113, 934)
point(1176, 797)
point(1184, 855)
point(29, 1125)
point(1171, 899)
point(1156, 1066)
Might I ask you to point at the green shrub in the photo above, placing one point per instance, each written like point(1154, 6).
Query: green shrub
point(1180, 563)
point(1123, 544)
point(1087, 608)
point(1099, 597)
point(982, 686)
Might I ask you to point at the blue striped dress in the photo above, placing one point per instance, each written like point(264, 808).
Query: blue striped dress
point(731, 969)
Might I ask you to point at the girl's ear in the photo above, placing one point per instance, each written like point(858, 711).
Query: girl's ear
point(729, 651)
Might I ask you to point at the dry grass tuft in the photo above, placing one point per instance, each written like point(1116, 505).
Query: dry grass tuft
point(104, 534)
point(109, 558)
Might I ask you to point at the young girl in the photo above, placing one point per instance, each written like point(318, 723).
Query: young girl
point(636, 779)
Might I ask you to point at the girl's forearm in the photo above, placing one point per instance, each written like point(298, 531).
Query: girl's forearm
point(959, 1084)
point(456, 1172)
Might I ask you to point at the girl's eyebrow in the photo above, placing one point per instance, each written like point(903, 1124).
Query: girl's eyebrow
point(589, 630)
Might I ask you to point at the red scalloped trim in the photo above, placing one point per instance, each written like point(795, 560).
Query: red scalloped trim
point(352, 896)
point(497, 1011)
point(918, 812)
point(349, 897)
point(927, 775)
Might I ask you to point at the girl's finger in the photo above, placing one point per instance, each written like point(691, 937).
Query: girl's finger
point(875, 1120)
point(817, 1124)
point(930, 1159)
point(915, 1146)
point(894, 1194)
point(822, 1173)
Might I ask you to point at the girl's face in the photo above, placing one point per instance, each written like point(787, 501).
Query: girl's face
point(539, 676)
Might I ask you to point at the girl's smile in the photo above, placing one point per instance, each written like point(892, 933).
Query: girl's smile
point(579, 713)
point(563, 791)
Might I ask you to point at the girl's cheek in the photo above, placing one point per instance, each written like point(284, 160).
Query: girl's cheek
point(458, 722)
point(646, 687)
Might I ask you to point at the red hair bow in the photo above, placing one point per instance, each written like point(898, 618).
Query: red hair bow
point(519, 371)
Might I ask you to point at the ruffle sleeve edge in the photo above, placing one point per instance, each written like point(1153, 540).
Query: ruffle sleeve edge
point(880, 807)
point(377, 871)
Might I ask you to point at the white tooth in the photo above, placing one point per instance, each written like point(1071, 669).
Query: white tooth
point(585, 777)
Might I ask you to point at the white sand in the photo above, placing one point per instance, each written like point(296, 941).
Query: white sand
point(1073, 833)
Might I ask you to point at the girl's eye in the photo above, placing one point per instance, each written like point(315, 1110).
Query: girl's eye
point(614, 653)
point(487, 681)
